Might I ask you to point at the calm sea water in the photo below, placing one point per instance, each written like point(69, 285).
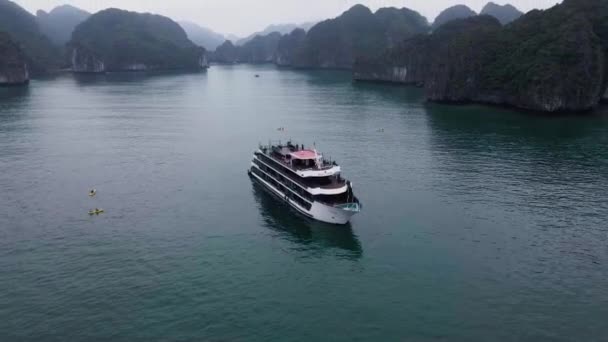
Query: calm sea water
point(479, 224)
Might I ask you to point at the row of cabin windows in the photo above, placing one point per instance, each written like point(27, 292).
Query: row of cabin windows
point(273, 162)
point(302, 164)
point(311, 182)
point(284, 180)
point(301, 202)
point(329, 199)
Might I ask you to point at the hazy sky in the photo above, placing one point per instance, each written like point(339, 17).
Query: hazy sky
point(242, 17)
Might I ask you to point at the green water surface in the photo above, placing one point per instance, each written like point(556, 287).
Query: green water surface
point(479, 224)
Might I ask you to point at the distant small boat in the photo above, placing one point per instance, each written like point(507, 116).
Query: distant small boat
point(93, 192)
point(256, 75)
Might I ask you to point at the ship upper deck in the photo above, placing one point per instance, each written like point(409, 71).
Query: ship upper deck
point(302, 161)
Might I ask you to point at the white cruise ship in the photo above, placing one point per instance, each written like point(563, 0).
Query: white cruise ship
point(306, 181)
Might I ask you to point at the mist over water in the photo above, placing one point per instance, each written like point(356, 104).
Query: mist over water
point(479, 223)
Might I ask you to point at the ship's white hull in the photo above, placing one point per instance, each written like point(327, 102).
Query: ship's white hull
point(318, 211)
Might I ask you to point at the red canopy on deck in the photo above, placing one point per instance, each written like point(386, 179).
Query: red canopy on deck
point(304, 155)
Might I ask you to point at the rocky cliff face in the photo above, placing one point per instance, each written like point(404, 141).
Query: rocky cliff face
point(287, 47)
point(41, 55)
point(396, 65)
point(13, 66)
point(260, 49)
point(566, 72)
point(551, 61)
point(117, 40)
point(84, 61)
point(336, 43)
point(333, 43)
point(226, 53)
point(358, 32)
point(203, 62)
point(456, 56)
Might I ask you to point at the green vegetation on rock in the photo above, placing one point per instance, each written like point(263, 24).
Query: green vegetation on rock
point(280, 28)
point(122, 40)
point(452, 13)
point(288, 46)
point(505, 13)
point(226, 53)
point(260, 49)
point(400, 24)
point(41, 55)
point(333, 43)
point(552, 60)
point(358, 32)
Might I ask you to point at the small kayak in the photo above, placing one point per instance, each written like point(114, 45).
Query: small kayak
point(96, 211)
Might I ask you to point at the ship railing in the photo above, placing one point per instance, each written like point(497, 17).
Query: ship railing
point(332, 185)
point(326, 164)
point(354, 206)
point(322, 168)
point(296, 179)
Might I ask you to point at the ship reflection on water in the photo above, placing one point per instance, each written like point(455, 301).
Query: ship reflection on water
point(306, 233)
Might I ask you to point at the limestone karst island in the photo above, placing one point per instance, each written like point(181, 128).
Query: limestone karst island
point(549, 60)
point(295, 171)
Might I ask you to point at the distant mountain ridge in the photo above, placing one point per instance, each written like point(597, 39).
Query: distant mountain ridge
point(505, 13)
point(336, 43)
point(280, 28)
point(202, 36)
point(288, 47)
point(59, 23)
point(452, 13)
point(261, 49)
point(333, 43)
